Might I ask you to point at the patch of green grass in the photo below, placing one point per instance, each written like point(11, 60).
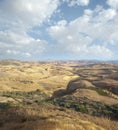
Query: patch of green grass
point(99, 91)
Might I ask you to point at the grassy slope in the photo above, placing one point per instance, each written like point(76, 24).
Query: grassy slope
point(49, 117)
point(29, 113)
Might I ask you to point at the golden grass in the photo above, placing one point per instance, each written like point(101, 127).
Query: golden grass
point(49, 117)
point(32, 76)
point(47, 77)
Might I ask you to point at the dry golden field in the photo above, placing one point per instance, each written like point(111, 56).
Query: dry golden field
point(58, 96)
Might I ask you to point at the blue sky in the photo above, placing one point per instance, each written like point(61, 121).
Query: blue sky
point(59, 29)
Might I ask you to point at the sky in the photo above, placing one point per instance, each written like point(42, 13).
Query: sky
point(59, 29)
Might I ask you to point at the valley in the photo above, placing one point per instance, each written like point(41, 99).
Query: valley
point(58, 95)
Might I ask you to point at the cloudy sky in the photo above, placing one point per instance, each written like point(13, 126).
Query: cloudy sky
point(59, 29)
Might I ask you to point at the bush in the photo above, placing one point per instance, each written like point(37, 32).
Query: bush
point(87, 106)
point(4, 105)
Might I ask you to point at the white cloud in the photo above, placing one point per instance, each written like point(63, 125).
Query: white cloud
point(77, 37)
point(26, 13)
point(106, 15)
point(77, 2)
point(10, 37)
point(17, 17)
point(89, 35)
point(99, 51)
point(27, 54)
point(20, 45)
point(11, 52)
point(113, 3)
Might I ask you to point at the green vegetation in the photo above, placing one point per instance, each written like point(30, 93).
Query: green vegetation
point(26, 97)
point(99, 91)
point(4, 105)
point(87, 106)
point(83, 105)
point(24, 107)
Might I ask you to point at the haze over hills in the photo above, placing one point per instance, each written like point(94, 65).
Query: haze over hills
point(41, 95)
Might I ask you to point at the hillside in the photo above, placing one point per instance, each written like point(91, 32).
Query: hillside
point(71, 95)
